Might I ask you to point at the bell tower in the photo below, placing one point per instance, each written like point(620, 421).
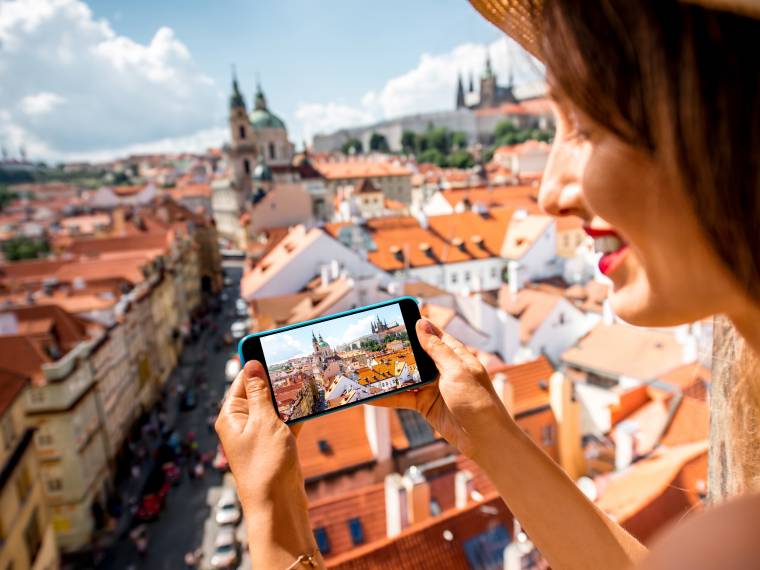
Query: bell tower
point(242, 148)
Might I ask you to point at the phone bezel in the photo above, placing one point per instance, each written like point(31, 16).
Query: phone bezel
point(249, 348)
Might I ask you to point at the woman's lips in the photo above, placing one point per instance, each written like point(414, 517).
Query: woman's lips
point(612, 247)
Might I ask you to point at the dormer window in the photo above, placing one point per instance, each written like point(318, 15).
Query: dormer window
point(324, 447)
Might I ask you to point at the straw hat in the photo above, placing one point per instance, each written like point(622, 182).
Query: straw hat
point(520, 18)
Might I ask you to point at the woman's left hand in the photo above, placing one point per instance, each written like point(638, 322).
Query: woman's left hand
point(260, 447)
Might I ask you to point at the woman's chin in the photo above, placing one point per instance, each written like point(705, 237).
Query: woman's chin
point(635, 304)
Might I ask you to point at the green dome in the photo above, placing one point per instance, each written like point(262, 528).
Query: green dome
point(264, 119)
point(323, 343)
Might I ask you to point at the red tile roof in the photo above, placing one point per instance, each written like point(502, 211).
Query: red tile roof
point(11, 385)
point(526, 380)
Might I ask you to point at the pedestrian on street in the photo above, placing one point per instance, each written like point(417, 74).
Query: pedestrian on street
point(210, 421)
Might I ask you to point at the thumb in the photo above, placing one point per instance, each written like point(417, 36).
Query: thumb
point(257, 388)
point(431, 340)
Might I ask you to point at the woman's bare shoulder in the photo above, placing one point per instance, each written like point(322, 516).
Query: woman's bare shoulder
point(723, 537)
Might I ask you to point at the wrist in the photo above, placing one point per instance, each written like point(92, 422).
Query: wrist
point(490, 438)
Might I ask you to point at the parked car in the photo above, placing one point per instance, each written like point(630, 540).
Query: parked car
point(238, 329)
point(232, 368)
point(173, 473)
point(225, 549)
point(228, 508)
point(220, 459)
point(189, 400)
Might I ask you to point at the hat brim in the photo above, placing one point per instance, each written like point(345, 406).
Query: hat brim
point(519, 19)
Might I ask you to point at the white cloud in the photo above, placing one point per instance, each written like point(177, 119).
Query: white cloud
point(357, 329)
point(430, 86)
point(72, 86)
point(40, 103)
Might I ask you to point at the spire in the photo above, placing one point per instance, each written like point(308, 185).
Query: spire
point(260, 102)
point(488, 73)
point(472, 83)
point(460, 92)
point(236, 99)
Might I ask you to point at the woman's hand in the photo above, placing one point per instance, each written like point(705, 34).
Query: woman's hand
point(261, 450)
point(462, 405)
point(259, 446)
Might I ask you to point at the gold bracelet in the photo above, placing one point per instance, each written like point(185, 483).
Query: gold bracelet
point(305, 559)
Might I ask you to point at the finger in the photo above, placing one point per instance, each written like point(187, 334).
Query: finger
point(431, 340)
point(257, 389)
point(461, 350)
point(407, 400)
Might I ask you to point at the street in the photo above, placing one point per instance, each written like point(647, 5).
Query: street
point(179, 527)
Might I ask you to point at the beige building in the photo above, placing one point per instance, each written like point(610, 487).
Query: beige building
point(26, 535)
point(392, 179)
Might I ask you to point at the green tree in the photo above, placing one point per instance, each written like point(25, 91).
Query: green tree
point(439, 138)
point(409, 142)
point(23, 247)
point(6, 197)
point(352, 146)
point(505, 128)
point(433, 155)
point(461, 159)
point(459, 140)
point(378, 143)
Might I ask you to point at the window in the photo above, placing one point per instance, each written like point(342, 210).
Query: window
point(44, 439)
point(486, 550)
point(23, 484)
point(453, 277)
point(241, 131)
point(357, 532)
point(247, 166)
point(547, 435)
point(33, 536)
point(9, 432)
point(494, 272)
point(323, 543)
point(566, 240)
point(55, 485)
point(466, 275)
point(271, 150)
point(435, 508)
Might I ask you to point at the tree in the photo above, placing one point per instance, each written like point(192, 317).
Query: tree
point(409, 142)
point(23, 247)
point(459, 140)
point(439, 138)
point(6, 197)
point(352, 146)
point(433, 155)
point(378, 143)
point(461, 159)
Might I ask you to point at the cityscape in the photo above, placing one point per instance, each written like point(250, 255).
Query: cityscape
point(377, 358)
point(157, 206)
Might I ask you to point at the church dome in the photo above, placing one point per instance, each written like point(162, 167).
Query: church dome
point(265, 119)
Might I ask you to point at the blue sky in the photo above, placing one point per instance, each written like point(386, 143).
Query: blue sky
point(297, 342)
point(101, 78)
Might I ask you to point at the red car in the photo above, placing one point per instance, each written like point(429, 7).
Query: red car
point(152, 504)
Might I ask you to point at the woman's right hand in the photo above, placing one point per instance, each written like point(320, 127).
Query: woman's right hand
point(462, 404)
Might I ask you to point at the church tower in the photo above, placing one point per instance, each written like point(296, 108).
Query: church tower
point(460, 92)
point(488, 95)
point(242, 148)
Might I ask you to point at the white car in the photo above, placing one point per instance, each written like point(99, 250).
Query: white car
point(232, 368)
point(241, 305)
point(225, 549)
point(228, 509)
point(238, 329)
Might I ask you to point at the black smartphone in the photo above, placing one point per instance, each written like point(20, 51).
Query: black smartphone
point(334, 362)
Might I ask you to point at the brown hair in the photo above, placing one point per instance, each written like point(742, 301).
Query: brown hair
point(683, 83)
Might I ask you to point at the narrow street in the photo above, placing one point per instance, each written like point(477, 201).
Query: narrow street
point(179, 528)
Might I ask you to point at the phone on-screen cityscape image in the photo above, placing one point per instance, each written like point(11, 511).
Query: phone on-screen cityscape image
point(334, 362)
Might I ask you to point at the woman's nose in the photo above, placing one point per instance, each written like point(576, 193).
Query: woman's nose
point(561, 191)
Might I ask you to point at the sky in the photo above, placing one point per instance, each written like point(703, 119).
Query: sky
point(94, 80)
point(297, 342)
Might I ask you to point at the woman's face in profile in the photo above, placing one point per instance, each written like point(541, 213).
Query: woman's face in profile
point(665, 273)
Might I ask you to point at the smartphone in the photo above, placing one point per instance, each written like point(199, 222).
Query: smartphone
point(334, 362)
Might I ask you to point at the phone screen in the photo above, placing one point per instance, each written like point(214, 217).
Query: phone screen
point(321, 366)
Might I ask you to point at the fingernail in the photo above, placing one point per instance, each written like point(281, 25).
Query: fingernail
point(429, 328)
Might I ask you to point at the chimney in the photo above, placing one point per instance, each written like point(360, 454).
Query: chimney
point(377, 425)
point(462, 488)
point(395, 504)
point(505, 390)
point(335, 268)
point(324, 275)
point(514, 274)
point(118, 221)
point(418, 495)
point(625, 444)
point(567, 413)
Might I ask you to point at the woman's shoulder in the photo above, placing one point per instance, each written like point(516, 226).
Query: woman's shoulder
point(722, 537)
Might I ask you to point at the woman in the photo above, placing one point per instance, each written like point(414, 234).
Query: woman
point(657, 148)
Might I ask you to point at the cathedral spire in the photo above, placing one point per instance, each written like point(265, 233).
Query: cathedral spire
point(460, 92)
point(488, 73)
point(472, 83)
